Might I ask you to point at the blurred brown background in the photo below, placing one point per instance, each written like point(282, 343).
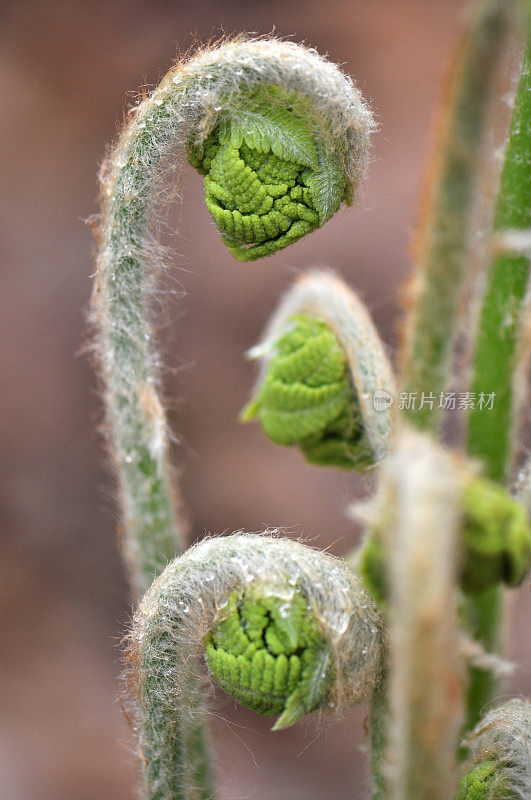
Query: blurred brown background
point(66, 70)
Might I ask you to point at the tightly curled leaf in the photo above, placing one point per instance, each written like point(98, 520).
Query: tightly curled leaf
point(499, 765)
point(307, 398)
point(284, 628)
point(198, 106)
point(270, 177)
point(484, 783)
point(269, 653)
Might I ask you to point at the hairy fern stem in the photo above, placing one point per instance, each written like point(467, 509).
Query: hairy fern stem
point(502, 327)
point(447, 268)
point(447, 240)
point(420, 492)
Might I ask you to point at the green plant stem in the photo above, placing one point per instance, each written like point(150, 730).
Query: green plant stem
point(134, 411)
point(420, 497)
point(482, 617)
point(503, 307)
point(501, 323)
point(444, 263)
point(443, 259)
point(379, 738)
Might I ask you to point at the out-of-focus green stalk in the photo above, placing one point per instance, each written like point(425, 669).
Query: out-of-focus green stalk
point(443, 247)
point(501, 322)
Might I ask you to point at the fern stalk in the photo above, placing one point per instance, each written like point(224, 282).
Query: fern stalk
point(503, 313)
point(446, 238)
point(446, 272)
point(447, 268)
point(502, 325)
point(421, 494)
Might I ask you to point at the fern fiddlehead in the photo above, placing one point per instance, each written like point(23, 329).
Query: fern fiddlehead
point(496, 537)
point(285, 628)
point(270, 177)
point(323, 366)
point(499, 763)
point(269, 654)
point(297, 120)
point(307, 398)
point(265, 188)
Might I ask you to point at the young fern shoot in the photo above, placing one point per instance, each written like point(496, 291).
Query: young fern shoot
point(324, 369)
point(280, 136)
point(451, 259)
point(302, 149)
point(284, 628)
point(499, 762)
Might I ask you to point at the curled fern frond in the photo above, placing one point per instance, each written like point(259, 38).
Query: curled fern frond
point(285, 628)
point(323, 369)
point(499, 764)
point(270, 177)
point(307, 398)
point(283, 136)
point(269, 653)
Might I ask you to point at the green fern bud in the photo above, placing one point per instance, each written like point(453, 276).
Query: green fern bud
point(499, 766)
point(284, 136)
point(285, 629)
point(496, 537)
point(307, 397)
point(270, 178)
point(323, 370)
point(270, 655)
point(482, 783)
point(495, 540)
